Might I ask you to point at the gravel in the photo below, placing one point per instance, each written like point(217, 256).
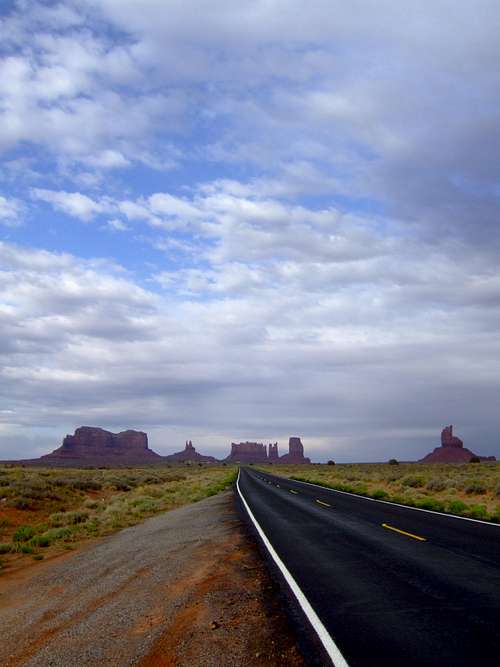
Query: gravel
point(184, 588)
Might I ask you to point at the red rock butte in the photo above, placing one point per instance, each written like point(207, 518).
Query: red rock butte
point(97, 445)
point(189, 454)
point(452, 450)
point(257, 452)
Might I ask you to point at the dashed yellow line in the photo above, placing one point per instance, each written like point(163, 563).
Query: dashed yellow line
point(293, 491)
point(320, 502)
point(403, 532)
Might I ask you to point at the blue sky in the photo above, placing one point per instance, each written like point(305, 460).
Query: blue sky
point(224, 221)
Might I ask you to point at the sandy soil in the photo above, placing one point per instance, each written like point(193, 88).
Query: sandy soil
point(185, 588)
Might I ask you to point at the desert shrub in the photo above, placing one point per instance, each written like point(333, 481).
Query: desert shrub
point(6, 523)
point(145, 505)
point(62, 481)
point(54, 534)
point(478, 512)
point(331, 463)
point(474, 487)
point(151, 479)
point(430, 504)
point(412, 481)
point(86, 485)
point(26, 548)
point(5, 548)
point(118, 485)
point(73, 518)
point(23, 534)
point(436, 484)
point(457, 506)
point(21, 503)
point(42, 541)
point(91, 504)
point(379, 494)
point(497, 489)
point(474, 459)
point(57, 519)
point(393, 462)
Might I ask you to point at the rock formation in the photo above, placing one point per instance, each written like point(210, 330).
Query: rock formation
point(256, 452)
point(295, 452)
point(452, 450)
point(247, 452)
point(95, 445)
point(448, 439)
point(189, 453)
point(273, 455)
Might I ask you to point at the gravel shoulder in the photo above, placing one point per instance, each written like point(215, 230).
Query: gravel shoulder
point(184, 588)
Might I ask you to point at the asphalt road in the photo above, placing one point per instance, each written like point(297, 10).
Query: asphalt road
point(428, 595)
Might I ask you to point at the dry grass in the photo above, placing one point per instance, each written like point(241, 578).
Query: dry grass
point(467, 489)
point(43, 510)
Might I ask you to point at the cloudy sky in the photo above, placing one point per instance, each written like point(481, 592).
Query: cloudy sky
point(231, 220)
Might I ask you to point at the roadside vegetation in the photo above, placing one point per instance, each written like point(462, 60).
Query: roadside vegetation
point(466, 489)
point(45, 510)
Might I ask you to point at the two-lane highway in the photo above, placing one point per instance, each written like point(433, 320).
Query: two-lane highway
point(392, 586)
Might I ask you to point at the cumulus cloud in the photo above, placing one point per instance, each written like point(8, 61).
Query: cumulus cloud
point(278, 351)
point(74, 204)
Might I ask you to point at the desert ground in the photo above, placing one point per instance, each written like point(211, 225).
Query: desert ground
point(46, 511)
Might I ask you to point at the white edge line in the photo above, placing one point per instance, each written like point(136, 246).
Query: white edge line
point(330, 647)
point(388, 502)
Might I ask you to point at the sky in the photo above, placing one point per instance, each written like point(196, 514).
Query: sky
point(223, 221)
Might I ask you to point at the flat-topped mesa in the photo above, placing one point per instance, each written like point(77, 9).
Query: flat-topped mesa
point(91, 443)
point(189, 453)
point(248, 452)
point(448, 439)
point(295, 452)
point(452, 450)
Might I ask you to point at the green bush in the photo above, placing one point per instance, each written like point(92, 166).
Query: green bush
point(54, 534)
point(379, 494)
point(436, 484)
point(23, 534)
point(478, 512)
point(430, 504)
point(474, 459)
point(5, 548)
point(26, 549)
point(413, 481)
point(40, 541)
point(457, 506)
point(393, 462)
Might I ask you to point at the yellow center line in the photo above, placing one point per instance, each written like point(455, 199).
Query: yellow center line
point(293, 491)
point(403, 532)
point(320, 502)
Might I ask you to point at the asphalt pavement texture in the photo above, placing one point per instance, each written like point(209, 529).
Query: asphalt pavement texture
point(393, 586)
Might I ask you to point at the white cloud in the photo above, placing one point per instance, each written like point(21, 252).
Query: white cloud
point(10, 211)
point(117, 225)
point(72, 203)
point(108, 159)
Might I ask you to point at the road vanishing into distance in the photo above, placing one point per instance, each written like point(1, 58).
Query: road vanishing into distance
point(389, 586)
